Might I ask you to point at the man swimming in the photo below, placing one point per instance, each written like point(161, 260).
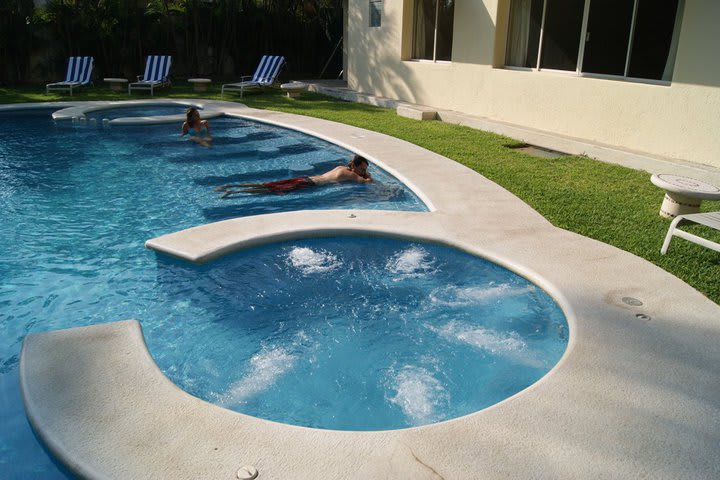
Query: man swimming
point(355, 171)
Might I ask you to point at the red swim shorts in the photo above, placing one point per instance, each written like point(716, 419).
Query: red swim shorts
point(285, 186)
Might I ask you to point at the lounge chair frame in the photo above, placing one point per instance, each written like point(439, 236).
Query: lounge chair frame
point(79, 73)
point(711, 219)
point(156, 79)
point(265, 75)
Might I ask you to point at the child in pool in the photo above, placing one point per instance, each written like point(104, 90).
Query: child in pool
point(199, 130)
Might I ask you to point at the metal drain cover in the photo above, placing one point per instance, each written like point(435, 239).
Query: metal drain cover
point(633, 302)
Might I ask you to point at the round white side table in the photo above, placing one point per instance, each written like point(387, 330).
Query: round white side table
point(116, 84)
point(683, 195)
point(200, 84)
point(293, 89)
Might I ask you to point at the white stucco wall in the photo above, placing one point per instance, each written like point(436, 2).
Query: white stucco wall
point(680, 120)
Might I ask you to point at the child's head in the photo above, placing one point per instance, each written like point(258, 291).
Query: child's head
point(192, 114)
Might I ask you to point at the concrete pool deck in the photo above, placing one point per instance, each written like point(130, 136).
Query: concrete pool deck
point(636, 395)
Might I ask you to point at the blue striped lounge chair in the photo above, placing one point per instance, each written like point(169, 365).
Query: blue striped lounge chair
point(265, 75)
point(78, 74)
point(157, 69)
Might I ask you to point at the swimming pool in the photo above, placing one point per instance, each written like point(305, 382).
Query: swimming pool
point(79, 201)
point(620, 374)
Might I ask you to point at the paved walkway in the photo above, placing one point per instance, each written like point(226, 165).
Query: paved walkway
point(636, 395)
point(575, 146)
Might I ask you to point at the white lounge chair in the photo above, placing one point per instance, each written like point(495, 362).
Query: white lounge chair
point(78, 74)
point(157, 69)
point(710, 219)
point(265, 75)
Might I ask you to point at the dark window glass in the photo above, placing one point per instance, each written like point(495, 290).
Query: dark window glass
point(375, 9)
point(424, 30)
point(446, 13)
point(561, 42)
point(524, 33)
point(424, 37)
point(653, 38)
point(608, 36)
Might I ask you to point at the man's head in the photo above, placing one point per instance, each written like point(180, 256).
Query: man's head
point(359, 165)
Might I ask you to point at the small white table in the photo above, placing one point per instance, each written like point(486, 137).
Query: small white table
point(683, 195)
point(293, 89)
point(116, 84)
point(200, 84)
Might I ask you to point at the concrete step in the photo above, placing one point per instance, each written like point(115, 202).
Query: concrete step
point(416, 112)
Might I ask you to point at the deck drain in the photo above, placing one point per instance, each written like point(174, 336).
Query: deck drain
point(248, 472)
point(633, 302)
point(536, 151)
point(642, 316)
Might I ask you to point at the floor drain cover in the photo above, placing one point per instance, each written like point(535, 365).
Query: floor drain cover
point(538, 151)
point(633, 302)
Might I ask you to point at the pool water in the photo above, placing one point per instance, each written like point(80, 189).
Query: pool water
point(79, 201)
point(353, 333)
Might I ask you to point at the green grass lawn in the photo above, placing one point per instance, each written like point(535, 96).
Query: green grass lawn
point(613, 204)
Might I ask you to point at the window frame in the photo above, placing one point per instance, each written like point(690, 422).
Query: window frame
point(581, 50)
point(435, 35)
point(378, 4)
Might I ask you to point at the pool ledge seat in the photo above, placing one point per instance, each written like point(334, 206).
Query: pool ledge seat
point(96, 398)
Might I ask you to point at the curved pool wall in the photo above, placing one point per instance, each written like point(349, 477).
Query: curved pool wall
point(634, 395)
point(354, 333)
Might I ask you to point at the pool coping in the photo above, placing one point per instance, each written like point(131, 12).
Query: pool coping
point(636, 394)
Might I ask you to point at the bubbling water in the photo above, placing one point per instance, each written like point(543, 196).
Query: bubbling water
point(411, 262)
point(362, 334)
point(309, 261)
point(454, 296)
point(265, 368)
point(421, 397)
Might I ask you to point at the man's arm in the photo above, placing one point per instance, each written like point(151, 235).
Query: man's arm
point(361, 179)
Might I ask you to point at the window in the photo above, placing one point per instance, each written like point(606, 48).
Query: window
point(375, 13)
point(433, 29)
point(608, 37)
point(620, 38)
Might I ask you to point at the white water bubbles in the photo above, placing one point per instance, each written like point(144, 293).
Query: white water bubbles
point(411, 262)
point(266, 367)
point(509, 345)
point(309, 261)
point(454, 296)
point(418, 393)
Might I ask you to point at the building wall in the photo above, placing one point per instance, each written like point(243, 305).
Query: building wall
point(680, 120)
